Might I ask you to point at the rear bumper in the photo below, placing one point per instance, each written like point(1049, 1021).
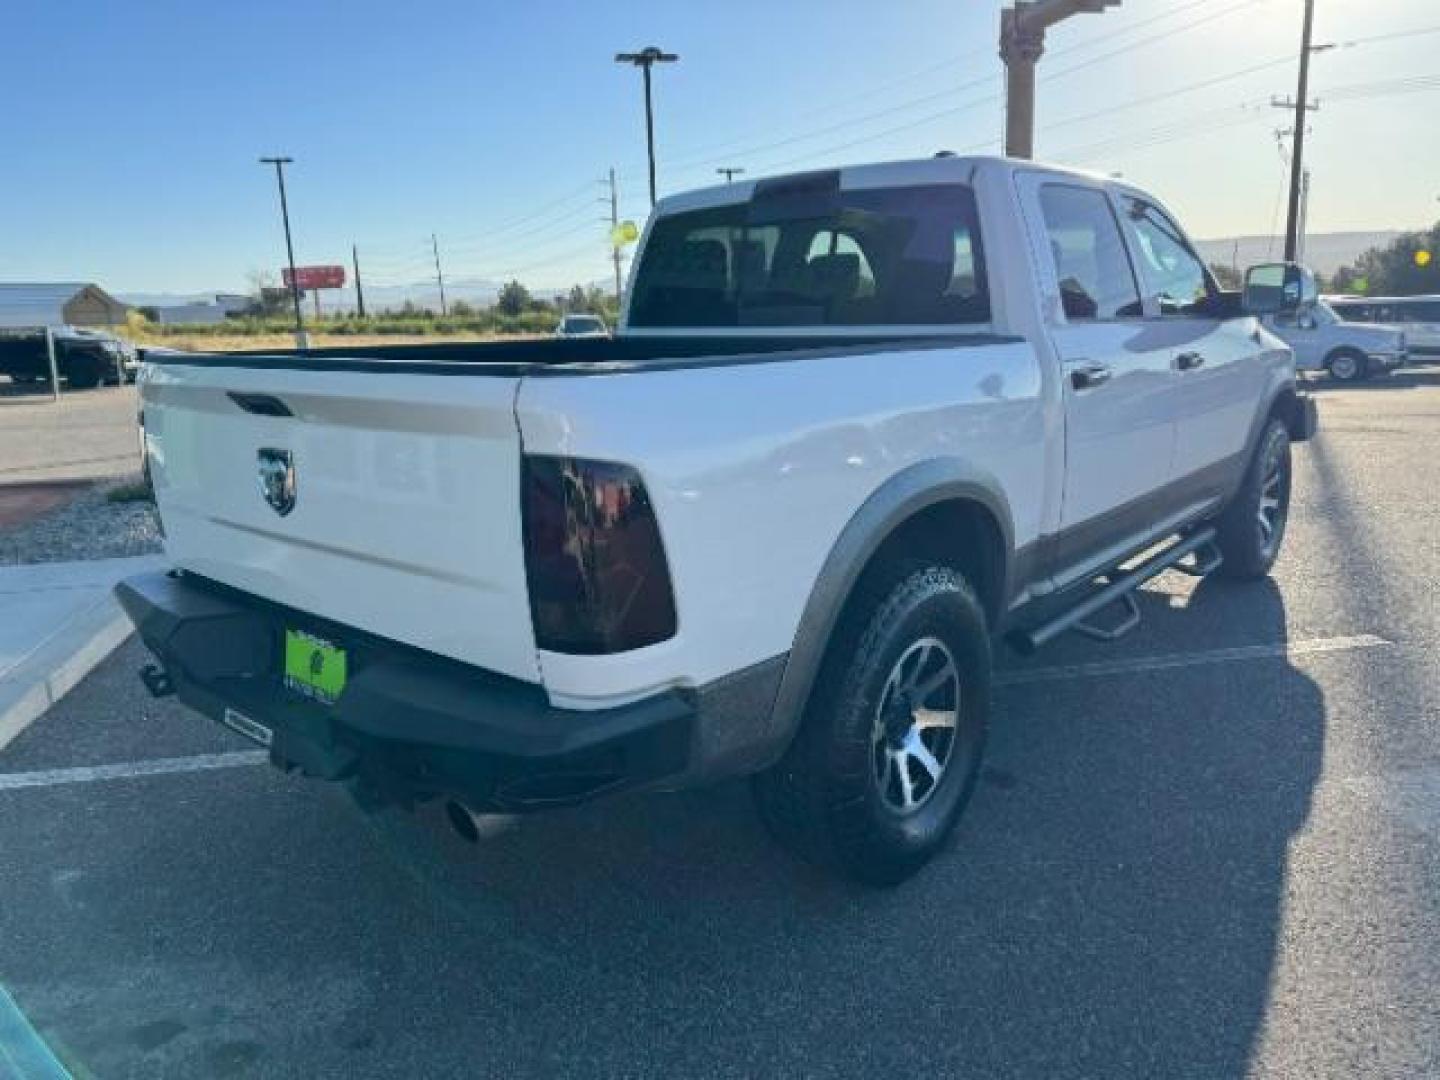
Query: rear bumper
point(410, 724)
point(1389, 360)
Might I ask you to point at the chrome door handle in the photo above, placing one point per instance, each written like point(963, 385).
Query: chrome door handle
point(1189, 361)
point(1089, 376)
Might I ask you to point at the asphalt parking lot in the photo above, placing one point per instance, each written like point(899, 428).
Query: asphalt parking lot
point(87, 434)
point(1210, 850)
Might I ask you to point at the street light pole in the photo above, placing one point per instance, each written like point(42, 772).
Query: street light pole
point(1022, 43)
point(645, 59)
point(280, 163)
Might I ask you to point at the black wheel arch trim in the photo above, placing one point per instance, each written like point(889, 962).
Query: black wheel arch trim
point(907, 493)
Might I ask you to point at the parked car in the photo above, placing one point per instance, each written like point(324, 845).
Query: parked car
point(857, 428)
point(1350, 352)
point(84, 358)
point(581, 326)
point(1418, 316)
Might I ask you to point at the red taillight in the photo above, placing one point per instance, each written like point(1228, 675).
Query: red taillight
point(595, 566)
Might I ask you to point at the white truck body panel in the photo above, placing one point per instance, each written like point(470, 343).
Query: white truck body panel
point(754, 474)
point(406, 521)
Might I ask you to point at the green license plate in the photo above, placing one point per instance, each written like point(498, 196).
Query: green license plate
point(313, 667)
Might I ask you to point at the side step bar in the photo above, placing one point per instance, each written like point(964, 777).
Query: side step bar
point(1121, 589)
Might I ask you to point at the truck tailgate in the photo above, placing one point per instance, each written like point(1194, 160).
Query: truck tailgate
point(406, 513)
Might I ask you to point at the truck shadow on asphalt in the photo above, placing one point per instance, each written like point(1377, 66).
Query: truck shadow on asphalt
point(1111, 903)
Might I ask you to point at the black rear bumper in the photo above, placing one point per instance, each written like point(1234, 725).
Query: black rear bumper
point(409, 723)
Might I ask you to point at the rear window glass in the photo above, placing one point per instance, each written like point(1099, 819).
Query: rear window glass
point(878, 257)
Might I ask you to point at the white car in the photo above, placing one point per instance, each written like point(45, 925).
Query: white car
point(1349, 351)
point(857, 428)
point(581, 326)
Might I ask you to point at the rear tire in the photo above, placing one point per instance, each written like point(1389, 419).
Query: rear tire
point(1251, 530)
point(1348, 366)
point(890, 745)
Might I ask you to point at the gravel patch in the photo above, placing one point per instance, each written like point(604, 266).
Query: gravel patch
point(87, 527)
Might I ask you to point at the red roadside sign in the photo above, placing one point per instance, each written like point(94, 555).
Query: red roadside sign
point(315, 277)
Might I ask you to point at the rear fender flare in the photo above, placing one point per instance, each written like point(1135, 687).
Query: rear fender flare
point(902, 496)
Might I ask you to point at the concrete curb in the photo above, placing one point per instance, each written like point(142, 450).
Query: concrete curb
point(51, 671)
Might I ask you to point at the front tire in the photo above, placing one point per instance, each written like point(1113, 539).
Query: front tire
point(890, 745)
point(1348, 366)
point(1252, 528)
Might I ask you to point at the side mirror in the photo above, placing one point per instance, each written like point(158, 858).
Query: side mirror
point(1279, 289)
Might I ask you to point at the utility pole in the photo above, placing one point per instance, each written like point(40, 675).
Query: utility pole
point(1022, 43)
point(280, 163)
point(1304, 217)
point(359, 289)
point(614, 227)
point(1296, 135)
point(439, 277)
point(1297, 161)
point(729, 174)
point(645, 59)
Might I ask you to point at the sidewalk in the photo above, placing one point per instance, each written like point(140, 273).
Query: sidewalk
point(57, 621)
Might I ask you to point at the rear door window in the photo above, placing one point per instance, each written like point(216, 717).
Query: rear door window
point(1091, 267)
point(817, 256)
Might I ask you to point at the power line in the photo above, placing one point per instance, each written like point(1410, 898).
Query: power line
point(964, 107)
point(693, 158)
point(1173, 32)
point(1212, 121)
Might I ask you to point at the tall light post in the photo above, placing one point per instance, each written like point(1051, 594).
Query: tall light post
point(280, 163)
point(645, 59)
point(1022, 43)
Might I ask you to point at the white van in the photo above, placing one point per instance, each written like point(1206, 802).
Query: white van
point(1418, 316)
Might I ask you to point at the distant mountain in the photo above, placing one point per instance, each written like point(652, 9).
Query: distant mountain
point(1324, 252)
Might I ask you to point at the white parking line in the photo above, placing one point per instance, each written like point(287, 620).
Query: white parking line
point(124, 770)
point(22, 1052)
point(1285, 649)
point(85, 774)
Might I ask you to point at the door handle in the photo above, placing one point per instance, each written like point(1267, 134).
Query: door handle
point(1189, 361)
point(1089, 376)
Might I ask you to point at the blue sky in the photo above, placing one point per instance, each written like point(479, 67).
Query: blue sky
point(132, 129)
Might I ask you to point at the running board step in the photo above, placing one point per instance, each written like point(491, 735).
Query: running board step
point(1121, 590)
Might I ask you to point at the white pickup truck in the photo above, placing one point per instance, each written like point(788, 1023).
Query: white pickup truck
point(856, 428)
point(1347, 351)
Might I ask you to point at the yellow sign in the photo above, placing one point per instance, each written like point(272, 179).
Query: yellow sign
point(624, 233)
point(1422, 258)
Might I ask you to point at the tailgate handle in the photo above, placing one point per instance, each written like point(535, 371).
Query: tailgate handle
point(261, 404)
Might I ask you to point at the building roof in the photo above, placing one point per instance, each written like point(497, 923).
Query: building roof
point(68, 303)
